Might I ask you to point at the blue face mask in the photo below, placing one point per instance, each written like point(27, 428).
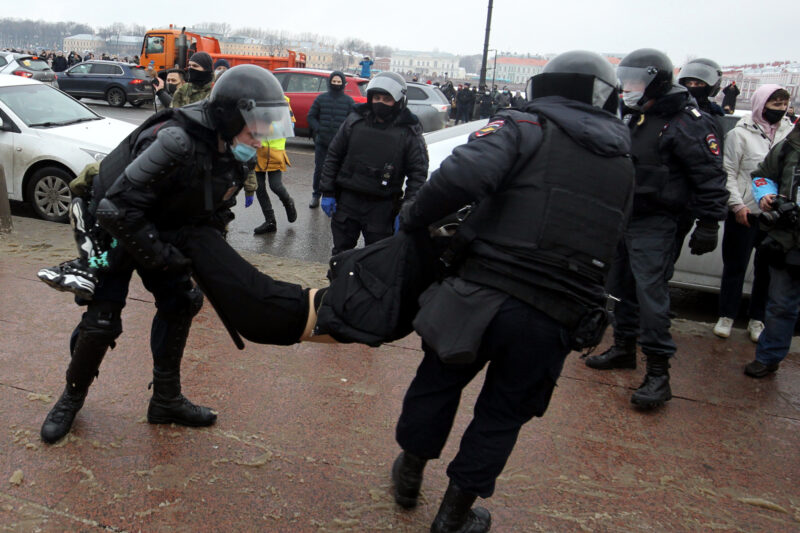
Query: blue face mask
point(243, 152)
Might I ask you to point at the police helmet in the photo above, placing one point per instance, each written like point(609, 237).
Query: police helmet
point(250, 96)
point(578, 75)
point(646, 70)
point(391, 83)
point(705, 70)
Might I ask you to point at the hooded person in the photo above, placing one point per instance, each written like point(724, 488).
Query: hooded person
point(327, 113)
point(220, 66)
point(199, 81)
point(745, 146)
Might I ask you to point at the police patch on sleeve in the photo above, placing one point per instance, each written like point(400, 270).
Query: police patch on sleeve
point(490, 128)
point(713, 143)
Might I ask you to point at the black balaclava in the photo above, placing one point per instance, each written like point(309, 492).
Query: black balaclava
point(200, 77)
point(340, 75)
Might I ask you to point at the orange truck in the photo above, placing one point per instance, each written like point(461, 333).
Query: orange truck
point(170, 47)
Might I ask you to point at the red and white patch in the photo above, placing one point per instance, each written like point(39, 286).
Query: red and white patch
point(490, 128)
point(713, 143)
point(760, 182)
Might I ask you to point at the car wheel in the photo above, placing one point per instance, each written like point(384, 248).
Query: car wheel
point(115, 97)
point(48, 192)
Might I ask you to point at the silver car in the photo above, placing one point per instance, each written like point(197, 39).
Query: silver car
point(27, 66)
point(429, 104)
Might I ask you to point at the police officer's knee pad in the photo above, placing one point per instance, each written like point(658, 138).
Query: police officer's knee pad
point(103, 320)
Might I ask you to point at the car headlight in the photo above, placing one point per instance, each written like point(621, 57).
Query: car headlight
point(97, 156)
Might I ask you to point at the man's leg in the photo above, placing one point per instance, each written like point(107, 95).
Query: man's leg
point(320, 151)
point(650, 241)
point(345, 230)
point(177, 301)
point(276, 186)
point(100, 325)
point(269, 225)
point(782, 310)
point(378, 222)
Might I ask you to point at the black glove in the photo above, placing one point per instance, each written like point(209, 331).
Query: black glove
point(173, 260)
point(704, 237)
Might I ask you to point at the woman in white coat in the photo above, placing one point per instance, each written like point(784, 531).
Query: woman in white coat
point(746, 145)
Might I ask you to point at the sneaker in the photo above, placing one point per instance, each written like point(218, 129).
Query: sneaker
point(70, 276)
point(757, 369)
point(754, 329)
point(723, 327)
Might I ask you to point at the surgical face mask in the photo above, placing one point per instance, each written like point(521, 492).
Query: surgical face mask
point(243, 152)
point(382, 111)
point(631, 99)
point(172, 87)
point(773, 116)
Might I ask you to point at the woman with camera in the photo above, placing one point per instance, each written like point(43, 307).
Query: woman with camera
point(745, 146)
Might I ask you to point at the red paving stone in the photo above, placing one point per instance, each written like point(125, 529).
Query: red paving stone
point(305, 437)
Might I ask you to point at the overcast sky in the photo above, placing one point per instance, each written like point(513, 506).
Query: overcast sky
point(728, 31)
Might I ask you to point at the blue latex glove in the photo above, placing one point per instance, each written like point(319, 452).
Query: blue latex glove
point(397, 223)
point(328, 204)
point(248, 201)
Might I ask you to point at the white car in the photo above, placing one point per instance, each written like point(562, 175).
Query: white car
point(699, 272)
point(46, 139)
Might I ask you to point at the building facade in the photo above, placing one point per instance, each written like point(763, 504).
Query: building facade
point(431, 65)
point(83, 42)
point(750, 77)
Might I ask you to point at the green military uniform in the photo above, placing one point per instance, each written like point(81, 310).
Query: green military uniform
point(189, 93)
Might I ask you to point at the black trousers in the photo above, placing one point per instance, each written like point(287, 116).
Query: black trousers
point(525, 350)
point(275, 185)
point(738, 242)
point(358, 214)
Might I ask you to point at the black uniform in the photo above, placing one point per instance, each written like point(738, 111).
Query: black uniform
point(166, 175)
point(678, 164)
point(553, 184)
point(367, 164)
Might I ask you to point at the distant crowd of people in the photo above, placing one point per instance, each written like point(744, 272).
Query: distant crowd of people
point(60, 62)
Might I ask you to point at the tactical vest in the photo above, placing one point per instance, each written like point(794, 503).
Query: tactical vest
point(374, 161)
point(561, 215)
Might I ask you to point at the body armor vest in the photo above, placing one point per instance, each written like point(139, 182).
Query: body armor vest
point(563, 212)
point(374, 161)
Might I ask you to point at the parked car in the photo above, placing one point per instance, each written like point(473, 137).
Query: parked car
point(430, 105)
point(303, 85)
point(113, 81)
point(27, 66)
point(698, 272)
point(46, 139)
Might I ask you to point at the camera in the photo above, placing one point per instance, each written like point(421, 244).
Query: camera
point(784, 213)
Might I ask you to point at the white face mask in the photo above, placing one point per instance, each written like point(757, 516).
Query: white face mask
point(631, 99)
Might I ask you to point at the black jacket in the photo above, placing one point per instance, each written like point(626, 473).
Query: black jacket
point(415, 151)
point(59, 64)
point(731, 92)
point(678, 159)
point(328, 112)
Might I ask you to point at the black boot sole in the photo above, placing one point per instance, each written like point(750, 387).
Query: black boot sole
point(610, 365)
point(179, 421)
point(649, 404)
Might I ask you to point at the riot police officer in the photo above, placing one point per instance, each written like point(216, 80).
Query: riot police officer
point(678, 163)
point(377, 150)
point(552, 183)
point(702, 78)
point(181, 167)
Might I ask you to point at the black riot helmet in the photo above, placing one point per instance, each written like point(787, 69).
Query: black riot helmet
point(705, 70)
point(250, 96)
point(646, 70)
point(578, 75)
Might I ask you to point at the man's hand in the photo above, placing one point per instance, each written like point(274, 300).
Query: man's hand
point(174, 260)
point(328, 204)
point(704, 237)
point(397, 223)
point(248, 200)
point(766, 202)
point(741, 216)
point(158, 83)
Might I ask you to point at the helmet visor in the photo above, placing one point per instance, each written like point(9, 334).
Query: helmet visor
point(388, 85)
point(704, 73)
point(633, 79)
point(267, 121)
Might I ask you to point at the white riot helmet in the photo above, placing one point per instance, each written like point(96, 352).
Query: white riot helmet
point(391, 83)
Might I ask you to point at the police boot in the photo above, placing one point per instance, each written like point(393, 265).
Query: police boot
point(456, 515)
point(269, 225)
point(87, 354)
point(655, 389)
point(291, 212)
point(168, 405)
point(621, 355)
point(407, 479)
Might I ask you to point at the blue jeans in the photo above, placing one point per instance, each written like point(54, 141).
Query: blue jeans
point(783, 304)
